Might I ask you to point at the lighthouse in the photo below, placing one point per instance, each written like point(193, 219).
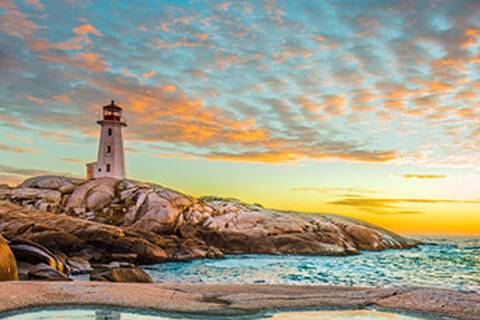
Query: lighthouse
point(111, 156)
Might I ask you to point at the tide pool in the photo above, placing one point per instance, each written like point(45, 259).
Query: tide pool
point(85, 314)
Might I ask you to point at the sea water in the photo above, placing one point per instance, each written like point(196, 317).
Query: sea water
point(452, 263)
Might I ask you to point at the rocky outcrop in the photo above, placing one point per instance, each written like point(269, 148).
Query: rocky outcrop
point(121, 275)
point(82, 243)
point(41, 272)
point(231, 301)
point(8, 264)
point(98, 221)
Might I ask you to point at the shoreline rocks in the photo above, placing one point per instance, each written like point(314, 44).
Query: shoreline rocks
point(121, 274)
point(105, 220)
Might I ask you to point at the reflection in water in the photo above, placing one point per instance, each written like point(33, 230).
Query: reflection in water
point(297, 315)
point(340, 315)
point(107, 315)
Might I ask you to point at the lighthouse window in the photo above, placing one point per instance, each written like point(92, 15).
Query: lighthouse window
point(108, 168)
point(109, 149)
point(109, 131)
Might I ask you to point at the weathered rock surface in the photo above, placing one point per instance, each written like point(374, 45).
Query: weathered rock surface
point(32, 253)
point(120, 223)
point(82, 242)
point(234, 300)
point(8, 264)
point(121, 275)
point(41, 272)
point(157, 223)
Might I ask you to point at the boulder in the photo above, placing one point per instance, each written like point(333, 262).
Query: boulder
point(34, 253)
point(121, 275)
point(79, 265)
point(49, 196)
point(78, 237)
point(8, 264)
point(94, 194)
point(42, 272)
point(62, 184)
point(156, 214)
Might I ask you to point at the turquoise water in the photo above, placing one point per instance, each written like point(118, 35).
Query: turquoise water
point(452, 263)
point(82, 314)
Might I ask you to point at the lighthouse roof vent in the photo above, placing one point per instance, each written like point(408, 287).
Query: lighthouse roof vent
point(112, 106)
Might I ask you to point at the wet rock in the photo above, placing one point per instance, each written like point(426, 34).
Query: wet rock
point(8, 264)
point(29, 252)
point(125, 257)
point(79, 265)
point(187, 254)
point(43, 272)
point(121, 275)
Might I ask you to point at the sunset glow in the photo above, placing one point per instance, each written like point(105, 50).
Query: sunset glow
point(362, 108)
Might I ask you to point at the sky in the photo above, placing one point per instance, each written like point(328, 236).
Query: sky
point(369, 109)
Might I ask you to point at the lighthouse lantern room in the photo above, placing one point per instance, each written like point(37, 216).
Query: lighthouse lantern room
point(111, 156)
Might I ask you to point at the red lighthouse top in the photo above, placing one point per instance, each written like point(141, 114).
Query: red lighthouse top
point(112, 112)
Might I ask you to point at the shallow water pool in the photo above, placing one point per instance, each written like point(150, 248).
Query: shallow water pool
point(85, 314)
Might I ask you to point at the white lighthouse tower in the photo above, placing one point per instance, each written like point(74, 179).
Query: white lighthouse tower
point(111, 156)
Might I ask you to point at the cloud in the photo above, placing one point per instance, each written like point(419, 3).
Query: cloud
point(334, 104)
point(24, 171)
point(273, 156)
point(334, 190)
point(149, 74)
point(17, 149)
point(424, 176)
point(16, 23)
point(385, 206)
point(87, 61)
point(62, 99)
point(86, 29)
point(71, 160)
point(262, 81)
point(34, 99)
point(36, 4)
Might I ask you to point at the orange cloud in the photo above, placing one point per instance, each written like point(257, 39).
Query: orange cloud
point(424, 176)
point(169, 88)
point(15, 23)
point(391, 205)
point(308, 104)
point(62, 99)
point(17, 149)
point(149, 74)
point(89, 61)
point(437, 86)
point(34, 99)
point(87, 29)
point(274, 156)
point(334, 104)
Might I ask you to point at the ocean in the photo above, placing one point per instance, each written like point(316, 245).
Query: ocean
point(443, 262)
